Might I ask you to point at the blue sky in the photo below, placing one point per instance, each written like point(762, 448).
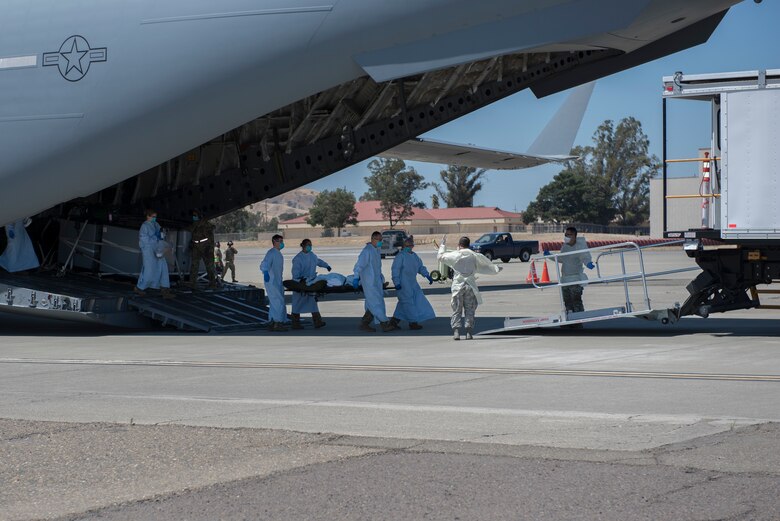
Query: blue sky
point(747, 39)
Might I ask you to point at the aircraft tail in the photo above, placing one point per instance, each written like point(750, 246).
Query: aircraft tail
point(558, 136)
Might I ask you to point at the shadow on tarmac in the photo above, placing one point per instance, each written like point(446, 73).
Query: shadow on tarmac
point(348, 328)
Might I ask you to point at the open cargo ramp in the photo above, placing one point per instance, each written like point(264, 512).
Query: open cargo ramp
point(207, 311)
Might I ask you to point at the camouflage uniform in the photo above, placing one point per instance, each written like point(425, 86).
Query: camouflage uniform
point(202, 247)
point(230, 255)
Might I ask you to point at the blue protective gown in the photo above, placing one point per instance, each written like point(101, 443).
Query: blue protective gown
point(19, 254)
point(304, 266)
point(368, 269)
point(273, 263)
point(412, 304)
point(154, 272)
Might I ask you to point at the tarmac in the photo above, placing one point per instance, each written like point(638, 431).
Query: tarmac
point(624, 419)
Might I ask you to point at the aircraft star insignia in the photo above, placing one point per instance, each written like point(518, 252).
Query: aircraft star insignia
point(74, 57)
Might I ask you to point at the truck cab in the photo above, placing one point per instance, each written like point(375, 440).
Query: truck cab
point(502, 246)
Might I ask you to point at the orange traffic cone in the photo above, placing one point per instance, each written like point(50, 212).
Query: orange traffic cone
point(545, 274)
point(532, 277)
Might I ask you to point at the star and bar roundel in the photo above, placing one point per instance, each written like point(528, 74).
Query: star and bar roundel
point(74, 57)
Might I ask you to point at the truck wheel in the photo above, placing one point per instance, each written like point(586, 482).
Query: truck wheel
point(436, 275)
point(505, 259)
point(525, 255)
point(488, 255)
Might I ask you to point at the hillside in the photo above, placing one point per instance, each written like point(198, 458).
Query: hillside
point(298, 201)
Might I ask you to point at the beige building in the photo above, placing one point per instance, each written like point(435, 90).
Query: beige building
point(467, 221)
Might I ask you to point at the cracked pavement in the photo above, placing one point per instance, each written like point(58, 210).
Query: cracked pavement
point(130, 472)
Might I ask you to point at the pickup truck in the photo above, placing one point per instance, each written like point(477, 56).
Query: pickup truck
point(501, 246)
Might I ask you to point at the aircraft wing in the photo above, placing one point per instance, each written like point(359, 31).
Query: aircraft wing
point(432, 151)
point(552, 146)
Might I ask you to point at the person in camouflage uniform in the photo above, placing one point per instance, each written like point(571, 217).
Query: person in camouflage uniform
point(202, 247)
point(230, 257)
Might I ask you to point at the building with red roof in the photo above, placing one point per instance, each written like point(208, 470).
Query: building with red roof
point(478, 219)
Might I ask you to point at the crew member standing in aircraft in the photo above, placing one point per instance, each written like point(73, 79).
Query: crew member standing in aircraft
point(202, 247)
point(368, 273)
point(230, 257)
point(412, 304)
point(273, 268)
point(304, 268)
point(571, 269)
point(154, 271)
point(466, 264)
point(18, 254)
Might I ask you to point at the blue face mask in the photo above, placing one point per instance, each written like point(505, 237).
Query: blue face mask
point(407, 249)
point(195, 218)
point(281, 245)
point(154, 219)
point(307, 249)
point(379, 244)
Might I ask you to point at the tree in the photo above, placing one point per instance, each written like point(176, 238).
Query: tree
point(237, 221)
point(393, 185)
point(286, 216)
point(333, 209)
point(435, 202)
point(610, 182)
point(461, 183)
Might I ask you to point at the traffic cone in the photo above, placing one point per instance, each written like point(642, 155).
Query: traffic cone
point(532, 277)
point(545, 274)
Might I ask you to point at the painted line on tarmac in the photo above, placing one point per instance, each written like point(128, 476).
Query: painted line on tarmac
point(401, 369)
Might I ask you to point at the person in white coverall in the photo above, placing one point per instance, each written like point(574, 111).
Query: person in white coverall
point(19, 254)
point(273, 268)
point(154, 270)
point(368, 273)
point(304, 267)
point(571, 268)
point(412, 304)
point(466, 264)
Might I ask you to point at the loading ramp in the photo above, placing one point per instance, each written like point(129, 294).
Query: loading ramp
point(89, 299)
point(625, 309)
point(215, 311)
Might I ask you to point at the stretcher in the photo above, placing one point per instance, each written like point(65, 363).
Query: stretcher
point(321, 288)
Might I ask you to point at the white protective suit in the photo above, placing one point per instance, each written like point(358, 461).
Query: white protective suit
point(466, 264)
point(273, 263)
point(304, 266)
point(412, 304)
point(571, 265)
point(154, 272)
point(19, 254)
point(368, 269)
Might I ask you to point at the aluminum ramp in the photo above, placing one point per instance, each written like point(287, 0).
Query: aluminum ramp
point(216, 311)
point(625, 309)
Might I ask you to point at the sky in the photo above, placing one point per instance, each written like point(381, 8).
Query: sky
point(748, 38)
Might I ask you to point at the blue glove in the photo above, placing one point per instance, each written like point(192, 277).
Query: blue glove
point(11, 233)
point(430, 279)
point(355, 282)
point(266, 277)
point(546, 253)
point(328, 268)
point(590, 265)
point(397, 288)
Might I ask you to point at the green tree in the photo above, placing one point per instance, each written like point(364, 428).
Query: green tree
point(610, 181)
point(435, 202)
point(238, 221)
point(393, 185)
point(333, 209)
point(461, 184)
point(286, 216)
